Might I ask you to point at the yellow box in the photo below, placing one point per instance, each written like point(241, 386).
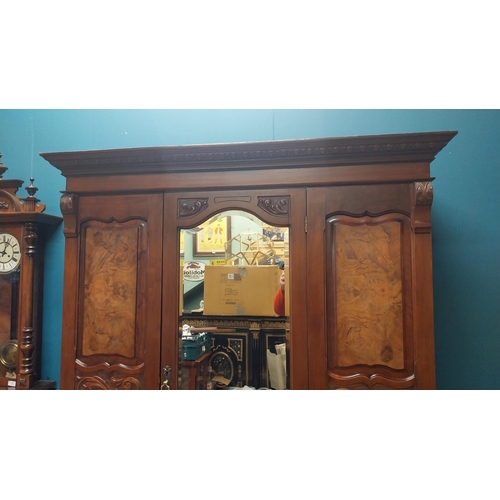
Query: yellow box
point(241, 290)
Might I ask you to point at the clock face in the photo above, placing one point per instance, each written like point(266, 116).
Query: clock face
point(10, 253)
point(222, 365)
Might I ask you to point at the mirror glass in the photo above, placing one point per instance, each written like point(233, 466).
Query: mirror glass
point(234, 309)
point(9, 312)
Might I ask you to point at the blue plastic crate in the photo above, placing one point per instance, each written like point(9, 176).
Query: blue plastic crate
point(196, 345)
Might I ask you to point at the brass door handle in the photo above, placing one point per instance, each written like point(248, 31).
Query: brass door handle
point(166, 378)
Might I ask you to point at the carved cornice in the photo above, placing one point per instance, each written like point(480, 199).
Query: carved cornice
point(279, 154)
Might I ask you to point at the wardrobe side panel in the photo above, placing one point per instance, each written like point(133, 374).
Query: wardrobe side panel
point(117, 313)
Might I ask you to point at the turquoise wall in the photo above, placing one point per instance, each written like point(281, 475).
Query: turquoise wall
point(466, 237)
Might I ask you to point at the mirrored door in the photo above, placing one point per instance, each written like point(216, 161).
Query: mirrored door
point(234, 269)
point(233, 305)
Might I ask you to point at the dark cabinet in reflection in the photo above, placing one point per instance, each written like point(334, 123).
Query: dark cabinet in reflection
point(196, 374)
point(239, 347)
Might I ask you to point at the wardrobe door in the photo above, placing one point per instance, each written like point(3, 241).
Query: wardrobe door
point(278, 207)
point(361, 332)
point(112, 302)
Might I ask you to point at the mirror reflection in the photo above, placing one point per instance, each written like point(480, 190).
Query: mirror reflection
point(9, 313)
point(234, 309)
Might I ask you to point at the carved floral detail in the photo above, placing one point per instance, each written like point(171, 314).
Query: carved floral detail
point(91, 383)
point(126, 383)
point(67, 203)
point(4, 205)
point(275, 205)
point(95, 382)
point(188, 207)
point(424, 193)
point(370, 381)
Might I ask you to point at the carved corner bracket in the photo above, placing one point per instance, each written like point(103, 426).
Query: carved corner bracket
point(424, 193)
point(421, 214)
point(69, 209)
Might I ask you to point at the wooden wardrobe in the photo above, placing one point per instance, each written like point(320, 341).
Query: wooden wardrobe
point(360, 272)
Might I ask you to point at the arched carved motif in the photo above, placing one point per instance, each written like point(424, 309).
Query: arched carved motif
point(189, 207)
point(275, 205)
point(9, 202)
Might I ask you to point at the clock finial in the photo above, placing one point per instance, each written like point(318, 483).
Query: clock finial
point(3, 168)
point(30, 203)
point(32, 190)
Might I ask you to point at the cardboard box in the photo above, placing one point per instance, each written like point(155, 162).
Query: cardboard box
point(241, 290)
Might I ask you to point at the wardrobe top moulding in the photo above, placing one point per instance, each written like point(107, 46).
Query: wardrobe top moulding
point(337, 160)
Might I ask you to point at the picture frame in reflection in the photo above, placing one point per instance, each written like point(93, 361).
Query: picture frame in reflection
point(211, 239)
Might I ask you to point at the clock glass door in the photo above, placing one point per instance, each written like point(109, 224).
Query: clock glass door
point(10, 269)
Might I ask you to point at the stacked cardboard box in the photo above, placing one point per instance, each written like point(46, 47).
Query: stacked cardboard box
point(241, 290)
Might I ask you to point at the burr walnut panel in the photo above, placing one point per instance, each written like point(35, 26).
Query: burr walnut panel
point(111, 268)
point(368, 293)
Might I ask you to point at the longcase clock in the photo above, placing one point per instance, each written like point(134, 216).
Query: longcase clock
point(23, 229)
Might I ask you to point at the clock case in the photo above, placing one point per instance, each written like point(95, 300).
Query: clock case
point(22, 290)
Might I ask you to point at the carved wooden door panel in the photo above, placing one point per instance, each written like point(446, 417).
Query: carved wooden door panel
point(361, 331)
point(280, 207)
point(116, 242)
